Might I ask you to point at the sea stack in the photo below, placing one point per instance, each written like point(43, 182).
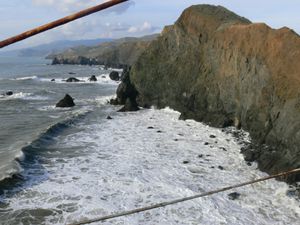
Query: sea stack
point(66, 102)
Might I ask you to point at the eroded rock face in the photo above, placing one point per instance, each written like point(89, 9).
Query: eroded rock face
point(66, 102)
point(215, 66)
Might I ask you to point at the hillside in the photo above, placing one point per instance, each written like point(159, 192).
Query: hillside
point(217, 67)
point(52, 47)
point(116, 54)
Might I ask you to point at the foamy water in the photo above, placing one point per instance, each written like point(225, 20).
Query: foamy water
point(141, 158)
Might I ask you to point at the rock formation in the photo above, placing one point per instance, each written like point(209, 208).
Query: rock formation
point(72, 79)
point(114, 75)
point(66, 102)
point(126, 94)
point(215, 66)
point(93, 78)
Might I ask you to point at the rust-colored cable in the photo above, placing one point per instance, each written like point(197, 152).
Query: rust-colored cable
point(60, 22)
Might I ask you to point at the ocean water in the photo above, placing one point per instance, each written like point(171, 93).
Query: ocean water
point(74, 164)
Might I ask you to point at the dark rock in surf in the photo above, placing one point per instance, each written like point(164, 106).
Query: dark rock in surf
point(72, 79)
point(52, 80)
point(9, 93)
point(109, 118)
point(234, 195)
point(66, 102)
point(126, 94)
point(114, 75)
point(220, 167)
point(130, 106)
point(93, 78)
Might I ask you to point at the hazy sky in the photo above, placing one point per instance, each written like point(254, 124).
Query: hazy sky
point(135, 18)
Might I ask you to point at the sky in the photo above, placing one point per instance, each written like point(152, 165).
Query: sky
point(134, 18)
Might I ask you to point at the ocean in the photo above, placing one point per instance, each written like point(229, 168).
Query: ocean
point(60, 166)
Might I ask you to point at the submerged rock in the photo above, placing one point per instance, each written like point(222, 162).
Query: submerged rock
point(93, 78)
point(114, 75)
point(66, 102)
point(72, 79)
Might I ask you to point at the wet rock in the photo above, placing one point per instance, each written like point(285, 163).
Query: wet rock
point(159, 131)
point(9, 93)
point(114, 75)
point(200, 156)
point(234, 195)
point(66, 102)
point(206, 143)
point(221, 167)
point(52, 80)
point(113, 101)
point(212, 136)
point(93, 78)
point(150, 127)
point(224, 149)
point(72, 79)
point(126, 91)
point(249, 155)
point(186, 162)
point(175, 139)
point(130, 106)
point(109, 118)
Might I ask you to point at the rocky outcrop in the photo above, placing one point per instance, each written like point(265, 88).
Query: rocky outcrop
point(9, 93)
point(215, 66)
point(126, 93)
point(93, 78)
point(116, 54)
point(72, 79)
point(114, 75)
point(66, 102)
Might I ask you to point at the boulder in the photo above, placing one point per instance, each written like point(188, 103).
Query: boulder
point(72, 79)
point(114, 75)
point(9, 93)
point(234, 195)
point(130, 106)
point(52, 80)
point(93, 78)
point(66, 102)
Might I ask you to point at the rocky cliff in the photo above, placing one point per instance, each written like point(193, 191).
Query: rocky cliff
point(215, 66)
point(117, 54)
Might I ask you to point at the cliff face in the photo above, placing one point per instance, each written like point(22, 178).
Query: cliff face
point(117, 54)
point(217, 67)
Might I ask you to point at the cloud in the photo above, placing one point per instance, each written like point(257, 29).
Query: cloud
point(146, 27)
point(68, 6)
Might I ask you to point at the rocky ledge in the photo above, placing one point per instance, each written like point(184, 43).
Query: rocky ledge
point(217, 67)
